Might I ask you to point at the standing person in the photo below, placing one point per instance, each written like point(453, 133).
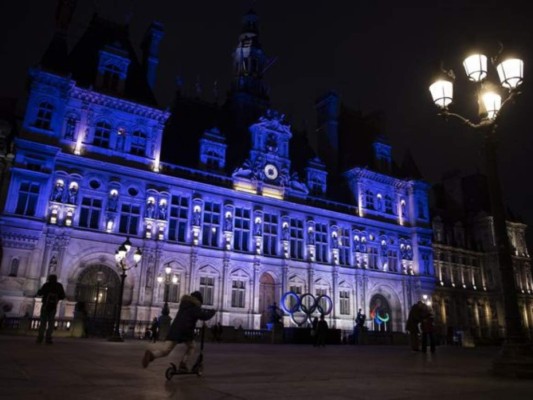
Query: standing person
point(428, 331)
point(181, 330)
point(412, 325)
point(82, 317)
point(52, 292)
point(321, 332)
point(359, 325)
point(154, 328)
point(314, 328)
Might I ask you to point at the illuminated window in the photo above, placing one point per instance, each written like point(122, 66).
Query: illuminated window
point(372, 258)
point(344, 302)
point(392, 260)
point(321, 242)
point(237, 294)
point(179, 213)
point(211, 224)
point(270, 234)
point(44, 115)
point(102, 134)
point(241, 229)
point(207, 288)
point(70, 127)
point(28, 194)
point(344, 247)
point(297, 239)
point(129, 219)
point(138, 143)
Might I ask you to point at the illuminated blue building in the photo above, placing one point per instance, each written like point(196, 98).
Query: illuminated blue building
point(223, 195)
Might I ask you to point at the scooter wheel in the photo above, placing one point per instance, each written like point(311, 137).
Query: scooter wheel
point(169, 373)
point(200, 371)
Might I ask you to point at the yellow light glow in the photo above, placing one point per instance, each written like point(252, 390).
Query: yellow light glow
point(244, 187)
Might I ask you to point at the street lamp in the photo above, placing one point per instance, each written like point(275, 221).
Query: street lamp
point(516, 357)
point(164, 320)
point(123, 258)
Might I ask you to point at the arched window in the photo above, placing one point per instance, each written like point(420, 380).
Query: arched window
point(102, 134)
point(111, 77)
point(14, 270)
point(44, 115)
point(138, 143)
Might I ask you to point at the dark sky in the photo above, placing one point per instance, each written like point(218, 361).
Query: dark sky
point(376, 56)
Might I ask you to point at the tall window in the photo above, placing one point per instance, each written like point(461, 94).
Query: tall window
point(90, 213)
point(344, 246)
point(321, 242)
point(28, 195)
point(174, 291)
point(296, 289)
point(207, 288)
point(102, 134)
point(297, 239)
point(177, 224)
point(44, 115)
point(372, 258)
point(323, 303)
point(129, 218)
point(238, 290)
point(138, 143)
point(241, 232)
point(369, 200)
point(344, 302)
point(270, 234)
point(14, 269)
point(211, 225)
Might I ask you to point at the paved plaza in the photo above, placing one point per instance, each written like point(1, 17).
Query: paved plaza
point(97, 369)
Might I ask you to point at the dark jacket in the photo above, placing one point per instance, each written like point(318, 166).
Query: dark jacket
point(52, 293)
point(190, 311)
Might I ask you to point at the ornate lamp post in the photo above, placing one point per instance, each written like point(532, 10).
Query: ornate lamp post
point(123, 259)
point(164, 320)
point(516, 357)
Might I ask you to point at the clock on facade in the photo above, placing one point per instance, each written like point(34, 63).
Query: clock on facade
point(271, 171)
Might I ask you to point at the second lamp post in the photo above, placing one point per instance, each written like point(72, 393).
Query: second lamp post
point(164, 320)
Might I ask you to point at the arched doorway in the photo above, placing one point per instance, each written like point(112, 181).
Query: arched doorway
point(267, 296)
point(98, 287)
point(380, 314)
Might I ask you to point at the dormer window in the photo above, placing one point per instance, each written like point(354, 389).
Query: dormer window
point(102, 134)
point(110, 77)
point(44, 116)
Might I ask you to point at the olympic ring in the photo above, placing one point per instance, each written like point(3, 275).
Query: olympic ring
point(307, 304)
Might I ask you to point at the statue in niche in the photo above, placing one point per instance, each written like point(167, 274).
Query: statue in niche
point(311, 237)
point(228, 223)
point(52, 266)
point(150, 209)
point(196, 217)
point(72, 194)
point(258, 229)
point(334, 241)
point(149, 277)
point(57, 195)
point(112, 202)
point(285, 231)
point(163, 210)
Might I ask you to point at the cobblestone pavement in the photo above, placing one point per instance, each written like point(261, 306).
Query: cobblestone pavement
point(97, 369)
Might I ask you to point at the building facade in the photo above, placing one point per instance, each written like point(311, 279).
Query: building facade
point(93, 166)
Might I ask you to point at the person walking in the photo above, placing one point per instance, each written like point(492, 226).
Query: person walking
point(52, 293)
point(428, 331)
point(359, 325)
point(413, 322)
point(154, 329)
point(181, 330)
point(321, 332)
point(314, 329)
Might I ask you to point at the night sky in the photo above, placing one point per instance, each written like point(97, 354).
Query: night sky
point(376, 56)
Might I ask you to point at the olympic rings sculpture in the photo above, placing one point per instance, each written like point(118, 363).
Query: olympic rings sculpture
point(301, 308)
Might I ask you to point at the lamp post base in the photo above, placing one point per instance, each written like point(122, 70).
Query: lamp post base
point(164, 326)
point(515, 360)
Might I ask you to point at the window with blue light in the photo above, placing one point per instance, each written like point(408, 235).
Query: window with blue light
point(102, 134)
point(211, 224)
point(45, 111)
point(238, 290)
point(207, 288)
point(138, 143)
point(344, 302)
point(321, 242)
point(388, 205)
point(241, 234)
point(369, 197)
point(28, 195)
point(270, 234)
point(70, 127)
point(90, 211)
point(392, 260)
point(297, 239)
point(372, 258)
point(130, 215)
point(178, 218)
point(344, 246)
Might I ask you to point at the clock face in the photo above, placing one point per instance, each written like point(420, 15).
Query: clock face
point(271, 171)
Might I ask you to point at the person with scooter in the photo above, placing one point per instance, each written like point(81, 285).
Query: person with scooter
point(181, 331)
